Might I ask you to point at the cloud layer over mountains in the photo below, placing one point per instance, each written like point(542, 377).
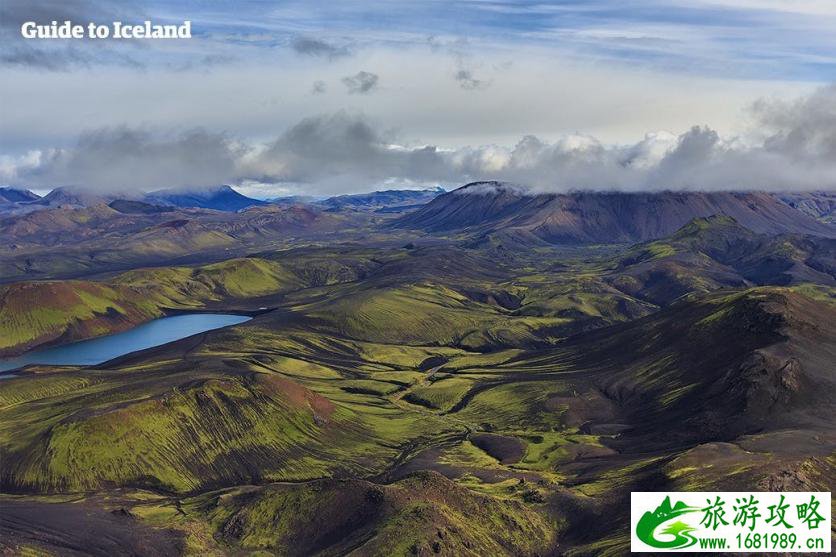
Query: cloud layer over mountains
point(792, 147)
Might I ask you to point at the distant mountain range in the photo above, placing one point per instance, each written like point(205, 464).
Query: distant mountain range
point(494, 210)
point(384, 201)
point(221, 198)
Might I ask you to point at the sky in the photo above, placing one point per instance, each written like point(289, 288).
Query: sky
point(320, 98)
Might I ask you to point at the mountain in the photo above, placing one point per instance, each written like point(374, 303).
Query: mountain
point(294, 200)
point(383, 201)
point(14, 195)
point(221, 198)
point(716, 252)
point(72, 197)
point(728, 364)
point(133, 207)
point(65, 225)
point(423, 401)
point(819, 205)
point(68, 197)
point(494, 209)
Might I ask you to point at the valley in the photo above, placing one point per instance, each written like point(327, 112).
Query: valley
point(478, 372)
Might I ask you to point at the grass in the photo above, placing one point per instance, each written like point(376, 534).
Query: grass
point(274, 435)
point(195, 428)
point(420, 513)
point(441, 394)
point(368, 386)
point(33, 313)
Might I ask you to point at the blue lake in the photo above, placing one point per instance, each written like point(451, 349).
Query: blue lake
point(102, 349)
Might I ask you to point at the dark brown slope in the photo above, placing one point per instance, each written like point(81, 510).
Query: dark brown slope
point(708, 369)
point(77, 529)
point(488, 208)
point(730, 392)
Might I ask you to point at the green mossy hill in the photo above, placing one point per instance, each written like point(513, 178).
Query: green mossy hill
point(173, 238)
point(425, 314)
point(236, 278)
point(35, 313)
point(201, 434)
point(718, 236)
point(423, 514)
point(717, 252)
point(324, 267)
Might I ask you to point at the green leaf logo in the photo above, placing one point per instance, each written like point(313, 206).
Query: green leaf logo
point(680, 531)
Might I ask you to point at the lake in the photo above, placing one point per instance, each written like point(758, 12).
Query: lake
point(101, 349)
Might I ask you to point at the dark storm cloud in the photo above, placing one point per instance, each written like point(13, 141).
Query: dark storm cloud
point(361, 83)
point(318, 47)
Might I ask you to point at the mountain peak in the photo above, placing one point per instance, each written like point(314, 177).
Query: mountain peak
point(700, 225)
point(488, 187)
point(220, 198)
point(74, 197)
point(16, 195)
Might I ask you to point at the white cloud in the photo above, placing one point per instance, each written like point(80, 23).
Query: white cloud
point(347, 152)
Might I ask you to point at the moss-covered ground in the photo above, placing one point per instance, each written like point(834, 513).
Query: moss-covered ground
point(397, 402)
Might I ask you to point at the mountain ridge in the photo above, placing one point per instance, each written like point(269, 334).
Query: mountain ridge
point(483, 209)
point(16, 195)
point(382, 199)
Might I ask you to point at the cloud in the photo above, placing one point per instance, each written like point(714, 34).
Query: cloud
point(317, 47)
point(361, 83)
point(796, 150)
point(806, 128)
point(468, 82)
point(343, 152)
point(26, 56)
point(460, 51)
point(347, 152)
point(127, 160)
point(318, 87)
